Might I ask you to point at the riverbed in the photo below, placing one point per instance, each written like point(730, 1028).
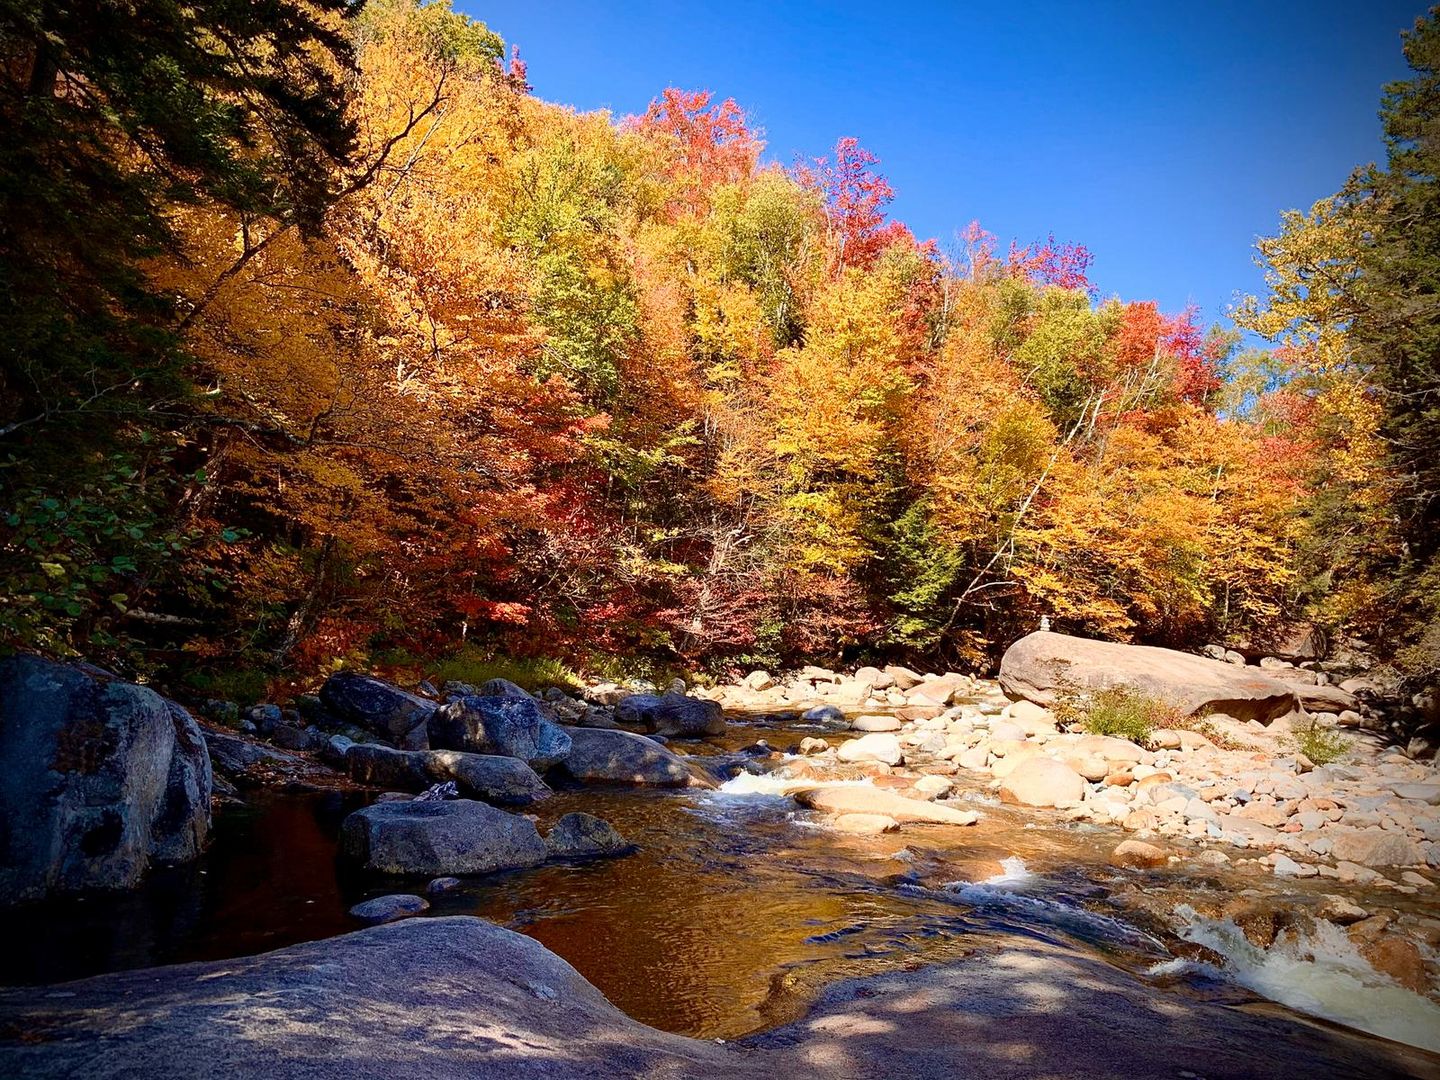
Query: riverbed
point(736, 910)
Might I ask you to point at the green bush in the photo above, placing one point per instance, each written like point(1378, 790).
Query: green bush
point(1321, 745)
point(1121, 711)
point(246, 686)
point(533, 673)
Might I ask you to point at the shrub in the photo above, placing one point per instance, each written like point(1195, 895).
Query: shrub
point(1121, 711)
point(1321, 745)
point(533, 673)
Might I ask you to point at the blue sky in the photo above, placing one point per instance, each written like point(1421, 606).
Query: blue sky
point(1164, 136)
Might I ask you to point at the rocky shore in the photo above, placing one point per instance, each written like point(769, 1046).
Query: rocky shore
point(1317, 855)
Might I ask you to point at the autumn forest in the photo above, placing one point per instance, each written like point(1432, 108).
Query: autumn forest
point(324, 342)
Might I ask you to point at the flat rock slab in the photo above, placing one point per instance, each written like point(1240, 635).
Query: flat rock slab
point(1043, 665)
point(250, 764)
point(460, 998)
point(863, 799)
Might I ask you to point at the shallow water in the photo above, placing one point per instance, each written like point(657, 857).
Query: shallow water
point(736, 909)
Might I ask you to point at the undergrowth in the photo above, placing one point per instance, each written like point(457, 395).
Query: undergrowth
point(1320, 744)
point(533, 673)
point(1120, 711)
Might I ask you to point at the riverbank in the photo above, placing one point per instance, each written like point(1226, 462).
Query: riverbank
point(801, 839)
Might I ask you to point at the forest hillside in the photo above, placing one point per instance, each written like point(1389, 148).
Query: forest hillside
point(323, 341)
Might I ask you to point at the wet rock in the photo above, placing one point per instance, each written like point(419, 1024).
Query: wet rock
point(384, 909)
point(1395, 956)
point(102, 779)
point(625, 758)
point(880, 746)
point(823, 714)
point(865, 824)
point(1042, 664)
point(1138, 855)
point(672, 714)
point(458, 836)
point(870, 800)
point(1263, 918)
point(506, 726)
point(1042, 781)
point(934, 787)
point(1284, 866)
point(390, 712)
point(440, 885)
point(1340, 910)
point(580, 836)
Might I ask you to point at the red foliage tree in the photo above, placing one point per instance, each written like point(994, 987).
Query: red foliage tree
point(1197, 373)
point(856, 197)
point(1051, 263)
point(715, 143)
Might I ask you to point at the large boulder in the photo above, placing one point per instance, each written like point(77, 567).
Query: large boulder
point(1044, 665)
point(419, 999)
point(394, 714)
point(499, 724)
point(1042, 781)
point(460, 998)
point(458, 836)
point(505, 781)
point(99, 780)
point(671, 714)
point(597, 755)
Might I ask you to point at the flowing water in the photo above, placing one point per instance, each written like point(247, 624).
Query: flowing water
point(735, 910)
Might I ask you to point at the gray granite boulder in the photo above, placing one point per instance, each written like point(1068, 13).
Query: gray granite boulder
point(499, 724)
point(671, 714)
point(601, 756)
point(458, 836)
point(505, 781)
point(394, 714)
point(100, 779)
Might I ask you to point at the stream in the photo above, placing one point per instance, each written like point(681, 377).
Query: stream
point(737, 908)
